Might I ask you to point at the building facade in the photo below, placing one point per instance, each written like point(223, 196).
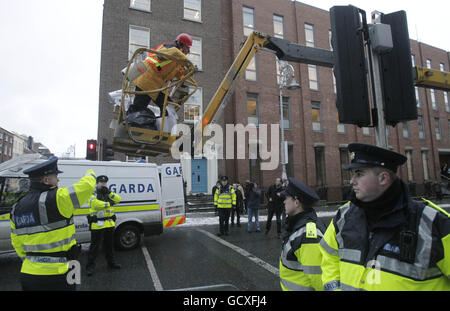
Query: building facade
point(6, 145)
point(317, 143)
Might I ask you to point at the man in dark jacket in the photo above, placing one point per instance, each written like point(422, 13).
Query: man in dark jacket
point(275, 205)
point(253, 199)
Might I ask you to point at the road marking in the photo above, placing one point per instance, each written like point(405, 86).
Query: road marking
point(243, 252)
point(152, 270)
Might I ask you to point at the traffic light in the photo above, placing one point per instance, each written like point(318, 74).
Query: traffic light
point(352, 98)
point(396, 71)
point(107, 151)
point(91, 150)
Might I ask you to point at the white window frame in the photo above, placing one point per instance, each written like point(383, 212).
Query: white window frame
point(194, 42)
point(433, 99)
point(130, 44)
point(437, 128)
point(140, 6)
point(317, 125)
point(313, 83)
point(190, 103)
point(309, 29)
point(252, 69)
point(405, 130)
point(246, 27)
point(278, 19)
point(199, 11)
point(421, 125)
point(426, 172)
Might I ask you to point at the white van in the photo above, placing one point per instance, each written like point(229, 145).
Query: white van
point(152, 196)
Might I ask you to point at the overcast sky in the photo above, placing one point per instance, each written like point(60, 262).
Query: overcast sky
point(50, 62)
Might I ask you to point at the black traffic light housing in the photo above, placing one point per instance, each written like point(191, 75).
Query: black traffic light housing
point(350, 70)
point(91, 150)
point(107, 151)
point(397, 75)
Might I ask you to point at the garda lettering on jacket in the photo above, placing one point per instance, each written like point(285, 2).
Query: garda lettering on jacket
point(131, 188)
point(24, 220)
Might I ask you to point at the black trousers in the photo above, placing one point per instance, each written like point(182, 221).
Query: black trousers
point(31, 282)
point(271, 210)
point(141, 102)
point(236, 210)
point(108, 243)
point(224, 218)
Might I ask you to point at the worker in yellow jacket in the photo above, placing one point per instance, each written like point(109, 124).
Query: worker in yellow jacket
point(102, 223)
point(224, 200)
point(42, 227)
point(300, 258)
point(159, 71)
point(383, 240)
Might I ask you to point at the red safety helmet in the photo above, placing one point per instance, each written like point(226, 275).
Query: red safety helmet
point(185, 39)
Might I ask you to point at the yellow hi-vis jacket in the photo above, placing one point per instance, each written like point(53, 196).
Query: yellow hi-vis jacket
point(159, 72)
point(225, 197)
point(355, 259)
point(42, 227)
point(300, 258)
point(102, 211)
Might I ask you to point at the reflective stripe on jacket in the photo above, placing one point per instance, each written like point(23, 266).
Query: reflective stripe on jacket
point(42, 223)
point(347, 265)
point(103, 211)
point(225, 197)
point(159, 72)
point(301, 258)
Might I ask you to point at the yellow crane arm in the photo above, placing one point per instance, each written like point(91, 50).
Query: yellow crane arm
point(431, 78)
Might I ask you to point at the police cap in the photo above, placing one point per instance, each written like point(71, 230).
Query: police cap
point(102, 178)
point(363, 155)
point(300, 191)
point(48, 167)
point(224, 178)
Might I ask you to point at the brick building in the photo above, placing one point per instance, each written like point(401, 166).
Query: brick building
point(317, 149)
point(6, 145)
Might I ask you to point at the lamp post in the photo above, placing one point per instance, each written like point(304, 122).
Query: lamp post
point(287, 79)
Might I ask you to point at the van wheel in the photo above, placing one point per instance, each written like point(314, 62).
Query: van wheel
point(128, 237)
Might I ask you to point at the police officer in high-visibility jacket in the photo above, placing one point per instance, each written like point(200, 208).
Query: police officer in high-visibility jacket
point(42, 227)
point(382, 239)
point(102, 223)
point(224, 200)
point(300, 254)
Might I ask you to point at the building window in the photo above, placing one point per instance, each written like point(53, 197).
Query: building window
point(433, 99)
point(447, 106)
point(437, 127)
point(252, 109)
point(409, 164)
point(193, 106)
point(330, 36)
point(313, 80)
point(441, 67)
point(421, 124)
point(316, 119)
point(278, 26)
point(405, 130)
point(345, 174)
point(426, 172)
point(139, 37)
point(367, 131)
point(309, 35)
point(340, 126)
point(286, 113)
point(249, 20)
point(250, 72)
point(195, 54)
point(141, 5)
point(419, 104)
point(319, 155)
point(193, 10)
point(428, 63)
point(413, 60)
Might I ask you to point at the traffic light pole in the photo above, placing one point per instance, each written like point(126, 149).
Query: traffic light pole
point(376, 83)
point(377, 99)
